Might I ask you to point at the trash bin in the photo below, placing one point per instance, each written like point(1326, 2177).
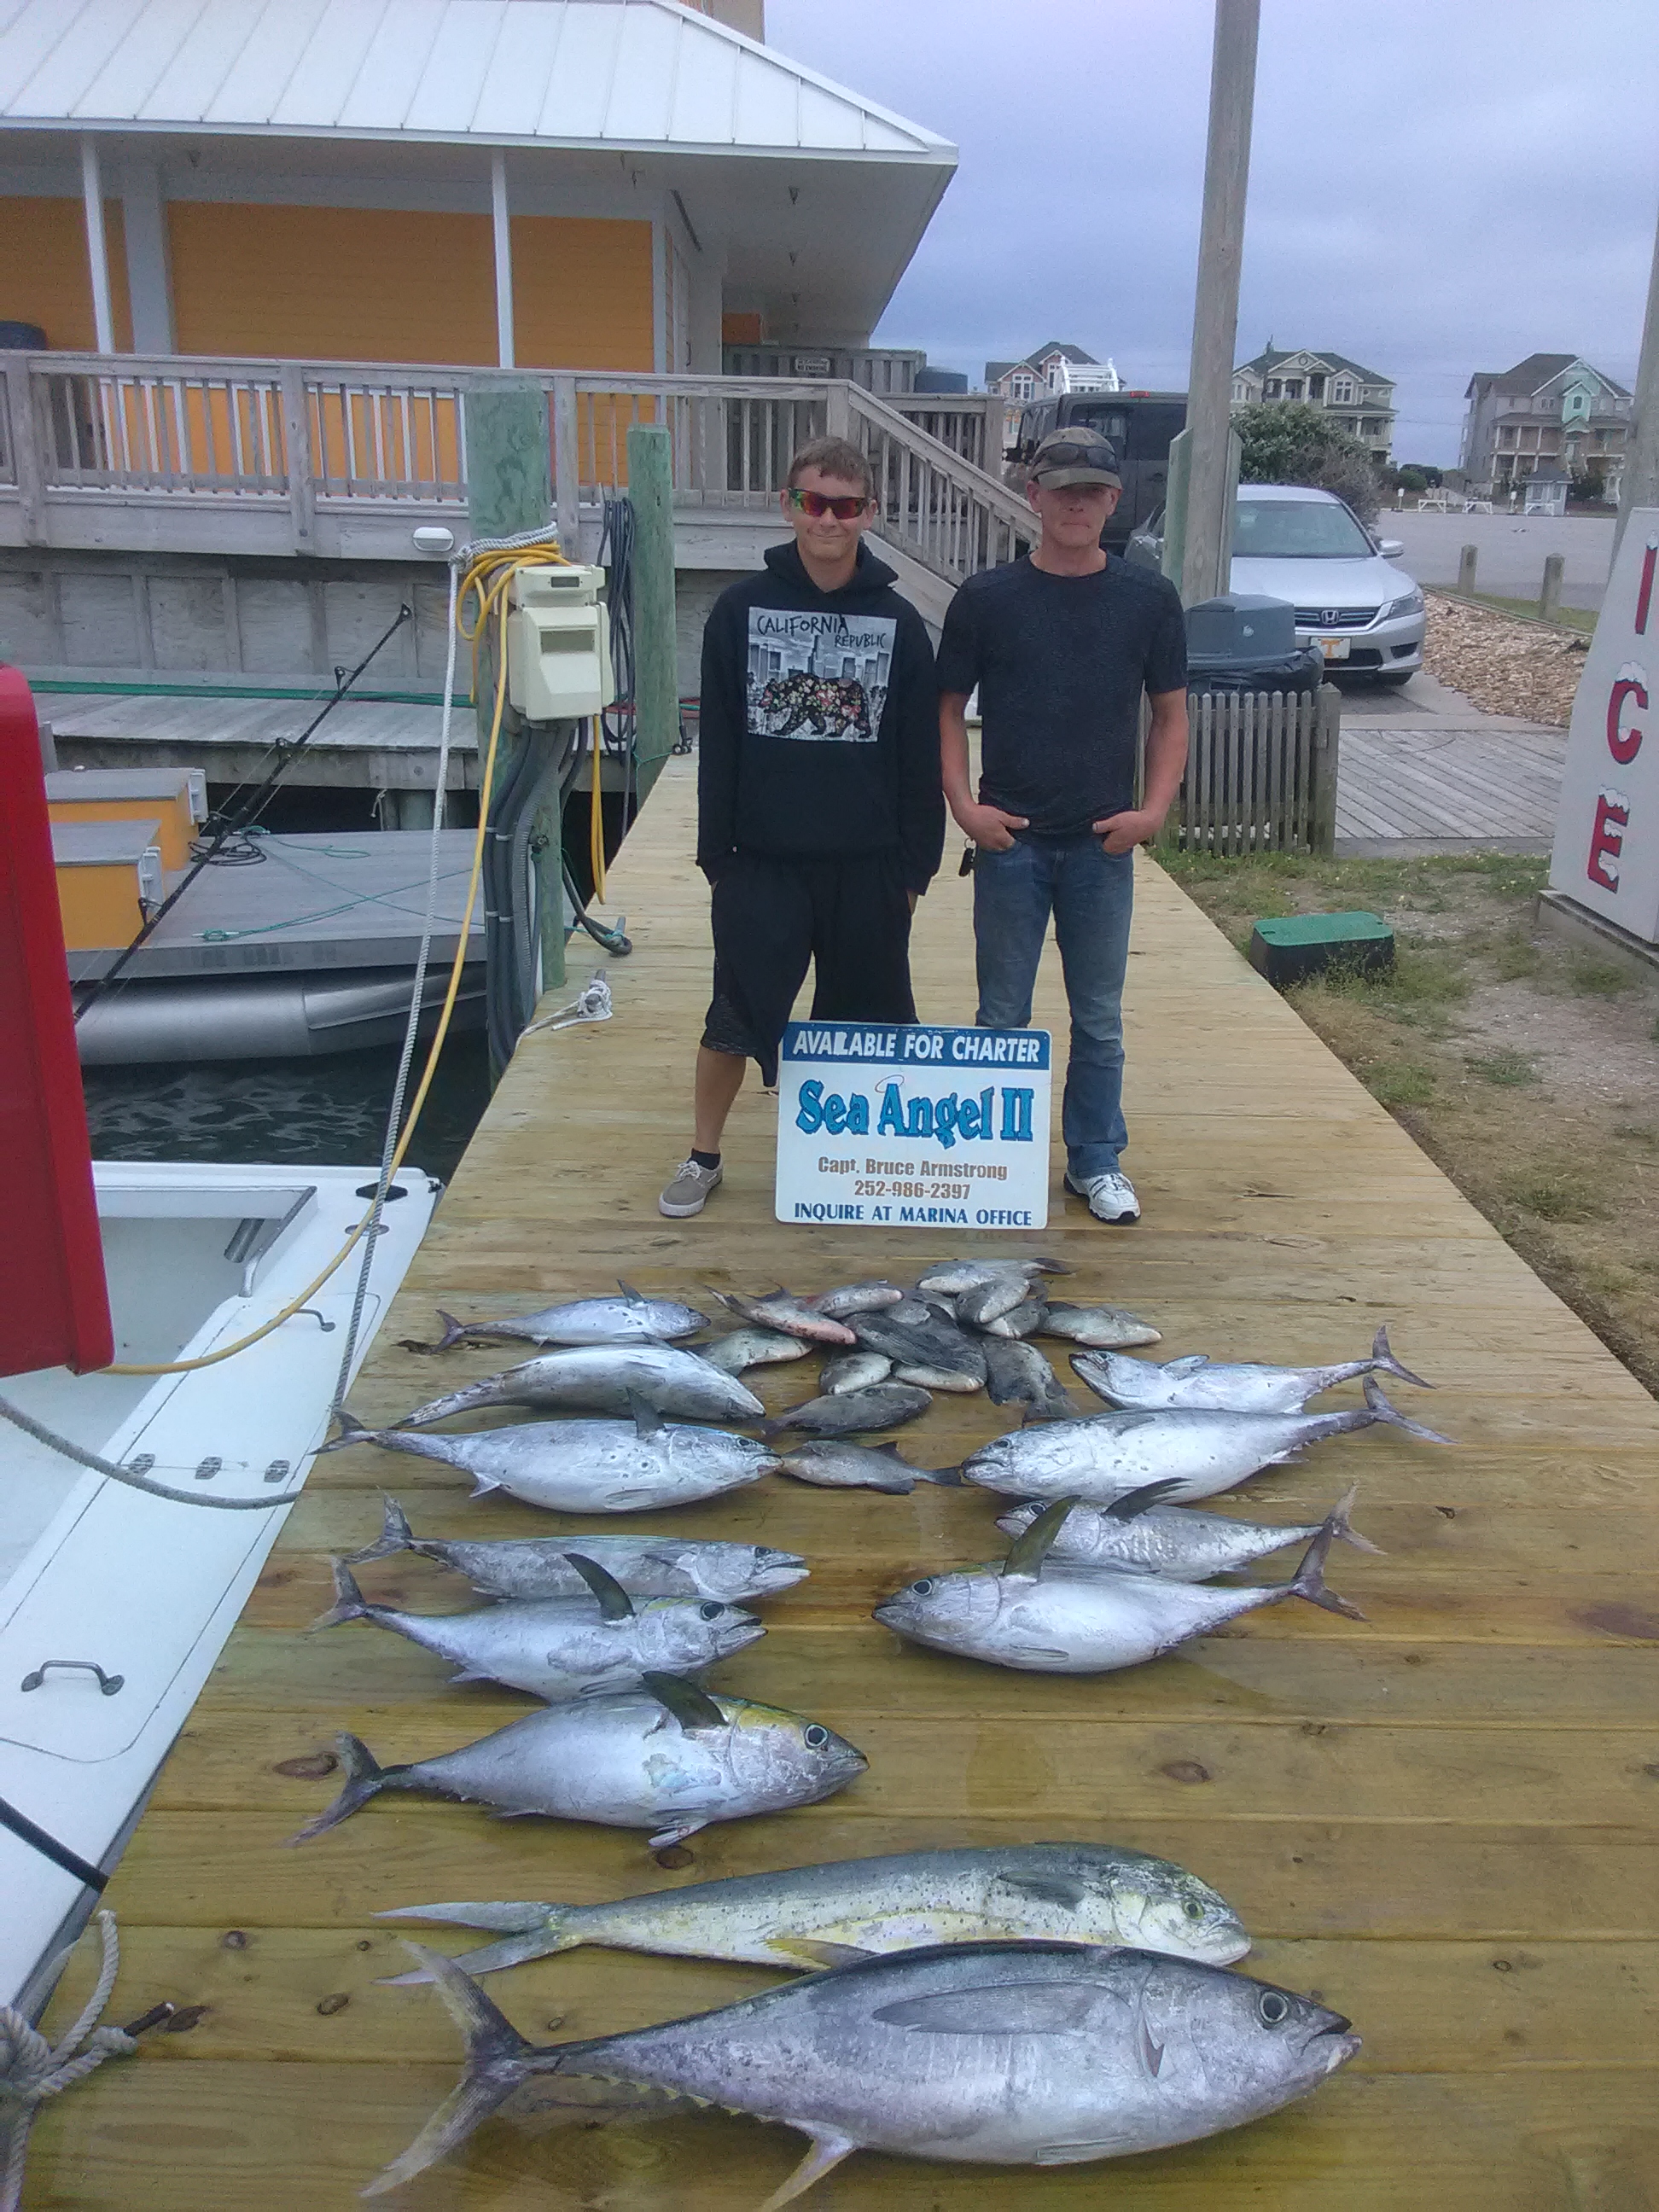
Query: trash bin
point(1240, 643)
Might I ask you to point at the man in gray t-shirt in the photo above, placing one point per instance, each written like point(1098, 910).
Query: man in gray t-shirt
point(1062, 647)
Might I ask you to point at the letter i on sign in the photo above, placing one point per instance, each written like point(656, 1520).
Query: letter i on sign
point(1644, 589)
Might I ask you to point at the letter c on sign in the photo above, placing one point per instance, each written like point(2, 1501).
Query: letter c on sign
point(1625, 744)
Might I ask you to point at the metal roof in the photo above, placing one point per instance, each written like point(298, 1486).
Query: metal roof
point(614, 74)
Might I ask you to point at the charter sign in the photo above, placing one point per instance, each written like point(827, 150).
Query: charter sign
point(913, 1128)
point(1607, 833)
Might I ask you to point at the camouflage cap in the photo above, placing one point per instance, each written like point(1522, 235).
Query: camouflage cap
point(1076, 455)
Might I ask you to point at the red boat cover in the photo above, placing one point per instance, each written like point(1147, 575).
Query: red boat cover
point(54, 1305)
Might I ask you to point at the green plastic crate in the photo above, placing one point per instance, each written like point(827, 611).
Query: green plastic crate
point(1288, 948)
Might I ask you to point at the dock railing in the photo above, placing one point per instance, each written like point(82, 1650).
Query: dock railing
point(192, 453)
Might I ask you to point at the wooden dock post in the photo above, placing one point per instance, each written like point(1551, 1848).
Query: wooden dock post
point(509, 489)
point(656, 685)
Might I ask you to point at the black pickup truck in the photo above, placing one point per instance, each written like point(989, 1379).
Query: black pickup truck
point(1140, 424)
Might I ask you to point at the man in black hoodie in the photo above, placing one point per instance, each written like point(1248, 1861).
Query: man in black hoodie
point(820, 819)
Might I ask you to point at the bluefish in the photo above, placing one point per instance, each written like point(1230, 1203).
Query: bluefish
point(995, 2054)
point(808, 1916)
point(1242, 1388)
point(646, 1566)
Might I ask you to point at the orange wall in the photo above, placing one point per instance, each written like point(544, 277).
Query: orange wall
point(45, 277)
point(380, 284)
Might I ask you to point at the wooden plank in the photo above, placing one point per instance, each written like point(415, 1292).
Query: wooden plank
point(1441, 1819)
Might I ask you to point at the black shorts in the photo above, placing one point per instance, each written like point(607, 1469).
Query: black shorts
point(850, 918)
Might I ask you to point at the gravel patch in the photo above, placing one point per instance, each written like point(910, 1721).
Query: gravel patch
point(1501, 667)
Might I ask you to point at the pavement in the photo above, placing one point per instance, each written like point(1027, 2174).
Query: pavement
point(1510, 550)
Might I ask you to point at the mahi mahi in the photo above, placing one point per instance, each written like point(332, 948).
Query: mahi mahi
point(821, 1916)
point(646, 1566)
point(605, 1379)
point(992, 2054)
point(1241, 1388)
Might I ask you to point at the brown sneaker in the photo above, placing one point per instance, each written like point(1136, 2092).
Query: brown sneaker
point(689, 1191)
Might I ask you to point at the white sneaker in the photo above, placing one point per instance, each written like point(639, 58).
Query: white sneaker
point(689, 1191)
point(1110, 1197)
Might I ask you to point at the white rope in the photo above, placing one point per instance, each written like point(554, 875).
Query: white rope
point(32, 2069)
point(129, 1475)
point(591, 1004)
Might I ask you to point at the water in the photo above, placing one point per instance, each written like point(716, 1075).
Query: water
point(329, 1112)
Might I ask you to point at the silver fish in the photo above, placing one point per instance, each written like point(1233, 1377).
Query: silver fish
point(1196, 1454)
point(1018, 1374)
point(1108, 1327)
point(646, 1566)
point(793, 1316)
point(882, 1406)
point(954, 1276)
point(856, 1298)
point(671, 1758)
point(1025, 1319)
point(588, 1466)
point(832, 1463)
point(1021, 2054)
point(987, 1302)
point(563, 1647)
point(822, 1916)
point(1196, 1381)
point(605, 1379)
point(855, 1370)
point(1136, 1536)
point(752, 1347)
point(1084, 1621)
point(927, 1346)
point(631, 1319)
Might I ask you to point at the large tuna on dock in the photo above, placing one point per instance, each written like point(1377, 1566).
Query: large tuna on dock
point(1197, 1382)
point(605, 1379)
point(630, 1319)
point(808, 1916)
point(998, 2054)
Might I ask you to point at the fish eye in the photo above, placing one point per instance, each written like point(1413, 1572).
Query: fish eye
point(924, 1588)
point(711, 1611)
point(1193, 1909)
point(814, 1736)
point(1273, 2007)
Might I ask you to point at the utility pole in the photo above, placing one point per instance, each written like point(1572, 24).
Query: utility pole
point(1641, 481)
point(1207, 549)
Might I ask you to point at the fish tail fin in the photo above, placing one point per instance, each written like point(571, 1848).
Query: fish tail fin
point(1382, 1411)
point(1309, 1580)
point(365, 1778)
point(352, 1432)
point(1382, 1353)
point(453, 1332)
point(539, 1938)
point(948, 1477)
point(396, 1535)
point(497, 2062)
point(1346, 1532)
point(350, 1603)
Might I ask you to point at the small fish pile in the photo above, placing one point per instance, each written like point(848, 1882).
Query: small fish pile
point(1006, 2054)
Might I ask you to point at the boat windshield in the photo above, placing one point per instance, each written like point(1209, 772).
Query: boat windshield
point(1297, 530)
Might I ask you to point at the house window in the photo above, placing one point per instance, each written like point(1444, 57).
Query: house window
point(1023, 385)
point(1316, 387)
point(1270, 389)
point(1342, 391)
point(1293, 387)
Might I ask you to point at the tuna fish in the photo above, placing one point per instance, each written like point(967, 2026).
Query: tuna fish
point(1137, 1536)
point(1194, 1455)
point(588, 1466)
point(1208, 1383)
point(1085, 1620)
point(605, 1379)
point(670, 1758)
point(564, 1647)
point(997, 2054)
point(793, 1316)
point(1019, 1375)
point(821, 1916)
point(752, 1347)
point(925, 1346)
point(630, 1319)
point(1109, 1327)
point(646, 1566)
point(832, 1463)
point(844, 1413)
point(855, 1371)
point(850, 1298)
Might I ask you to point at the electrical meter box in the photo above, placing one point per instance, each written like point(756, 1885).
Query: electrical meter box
point(558, 644)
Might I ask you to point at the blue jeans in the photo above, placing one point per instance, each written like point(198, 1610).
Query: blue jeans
point(1091, 894)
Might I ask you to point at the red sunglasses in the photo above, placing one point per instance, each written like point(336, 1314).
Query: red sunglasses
point(817, 503)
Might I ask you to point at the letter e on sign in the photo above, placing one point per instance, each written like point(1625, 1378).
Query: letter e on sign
point(1607, 839)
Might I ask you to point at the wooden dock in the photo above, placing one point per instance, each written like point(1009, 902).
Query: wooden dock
point(1443, 1821)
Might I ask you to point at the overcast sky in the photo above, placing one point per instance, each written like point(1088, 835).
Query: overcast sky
point(1436, 187)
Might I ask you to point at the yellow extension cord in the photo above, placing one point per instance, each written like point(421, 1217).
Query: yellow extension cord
point(488, 579)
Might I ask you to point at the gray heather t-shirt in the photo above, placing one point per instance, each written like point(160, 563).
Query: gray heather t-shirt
point(1060, 663)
